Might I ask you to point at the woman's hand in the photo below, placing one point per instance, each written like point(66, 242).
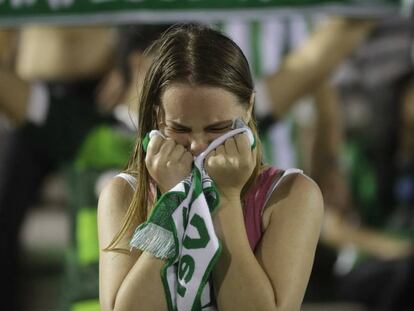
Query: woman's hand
point(230, 165)
point(167, 162)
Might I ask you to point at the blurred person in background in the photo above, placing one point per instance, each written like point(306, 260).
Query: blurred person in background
point(122, 85)
point(50, 96)
point(312, 66)
point(384, 278)
point(308, 71)
point(69, 81)
point(11, 111)
point(375, 243)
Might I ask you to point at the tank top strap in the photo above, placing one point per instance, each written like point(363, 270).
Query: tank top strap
point(277, 178)
point(132, 181)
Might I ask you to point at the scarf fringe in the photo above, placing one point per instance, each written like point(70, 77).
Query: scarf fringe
point(154, 239)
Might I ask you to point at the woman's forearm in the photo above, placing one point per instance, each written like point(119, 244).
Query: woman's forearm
point(379, 244)
point(329, 131)
point(240, 282)
point(302, 70)
point(142, 288)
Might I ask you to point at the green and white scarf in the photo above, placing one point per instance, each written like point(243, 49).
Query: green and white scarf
point(180, 230)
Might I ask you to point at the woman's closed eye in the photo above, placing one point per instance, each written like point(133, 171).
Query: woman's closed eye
point(186, 130)
point(219, 129)
point(179, 130)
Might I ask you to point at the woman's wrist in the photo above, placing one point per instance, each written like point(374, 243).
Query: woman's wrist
point(229, 196)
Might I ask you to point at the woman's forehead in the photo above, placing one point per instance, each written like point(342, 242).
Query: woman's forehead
point(184, 99)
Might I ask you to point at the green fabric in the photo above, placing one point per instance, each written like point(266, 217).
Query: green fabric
point(81, 187)
point(82, 195)
point(104, 147)
point(80, 283)
point(87, 236)
point(146, 236)
point(363, 183)
point(15, 13)
point(267, 148)
point(36, 8)
point(87, 305)
point(186, 262)
point(256, 63)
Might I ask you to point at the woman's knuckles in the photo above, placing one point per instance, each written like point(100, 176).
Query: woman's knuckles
point(231, 162)
point(176, 166)
point(179, 147)
point(187, 158)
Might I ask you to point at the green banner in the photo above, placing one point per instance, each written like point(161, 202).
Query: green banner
point(16, 12)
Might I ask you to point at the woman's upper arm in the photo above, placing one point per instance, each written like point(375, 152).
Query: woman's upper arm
point(286, 251)
point(113, 266)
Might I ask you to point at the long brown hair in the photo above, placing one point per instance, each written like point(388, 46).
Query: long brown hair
point(196, 55)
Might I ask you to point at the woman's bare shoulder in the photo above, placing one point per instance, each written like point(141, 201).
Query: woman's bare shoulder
point(299, 193)
point(115, 198)
point(118, 189)
point(291, 237)
point(114, 201)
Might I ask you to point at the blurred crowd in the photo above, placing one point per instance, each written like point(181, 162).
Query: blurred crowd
point(334, 97)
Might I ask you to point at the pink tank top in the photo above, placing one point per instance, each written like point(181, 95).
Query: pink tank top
point(254, 203)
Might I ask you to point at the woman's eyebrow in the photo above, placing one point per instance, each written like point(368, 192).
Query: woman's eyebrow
point(176, 124)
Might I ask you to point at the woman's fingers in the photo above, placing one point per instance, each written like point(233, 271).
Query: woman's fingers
point(167, 147)
point(187, 157)
point(177, 152)
point(212, 153)
point(167, 162)
point(230, 146)
point(220, 150)
point(243, 144)
point(238, 144)
point(154, 145)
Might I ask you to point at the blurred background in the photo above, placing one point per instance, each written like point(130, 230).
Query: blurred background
point(334, 97)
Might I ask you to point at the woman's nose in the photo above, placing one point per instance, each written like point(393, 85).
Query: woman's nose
point(198, 144)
